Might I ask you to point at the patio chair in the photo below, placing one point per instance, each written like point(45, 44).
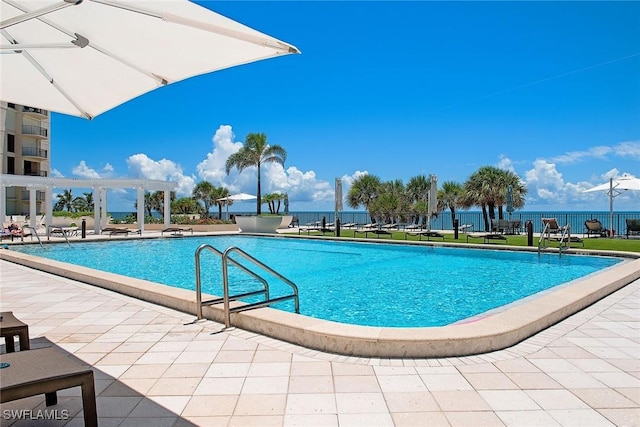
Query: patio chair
point(550, 225)
point(594, 228)
point(633, 227)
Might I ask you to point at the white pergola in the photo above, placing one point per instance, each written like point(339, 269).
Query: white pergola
point(99, 187)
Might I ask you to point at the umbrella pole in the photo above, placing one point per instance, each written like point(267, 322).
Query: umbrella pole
point(610, 207)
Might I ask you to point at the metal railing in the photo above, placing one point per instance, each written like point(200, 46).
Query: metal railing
point(34, 130)
point(226, 299)
point(34, 152)
point(564, 241)
point(35, 110)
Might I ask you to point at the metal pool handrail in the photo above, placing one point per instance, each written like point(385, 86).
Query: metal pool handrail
point(226, 259)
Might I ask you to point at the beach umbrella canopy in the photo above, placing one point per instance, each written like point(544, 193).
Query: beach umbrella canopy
point(236, 198)
point(614, 188)
point(84, 57)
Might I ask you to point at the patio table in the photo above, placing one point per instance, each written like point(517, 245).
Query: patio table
point(10, 327)
point(45, 371)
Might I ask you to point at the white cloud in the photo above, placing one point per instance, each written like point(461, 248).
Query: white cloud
point(84, 171)
point(108, 168)
point(55, 173)
point(505, 163)
point(628, 149)
point(141, 166)
point(212, 168)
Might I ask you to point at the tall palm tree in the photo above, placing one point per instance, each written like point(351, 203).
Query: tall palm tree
point(255, 152)
point(450, 196)
point(204, 192)
point(363, 192)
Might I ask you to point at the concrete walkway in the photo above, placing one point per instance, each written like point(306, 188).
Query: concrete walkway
point(156, 367)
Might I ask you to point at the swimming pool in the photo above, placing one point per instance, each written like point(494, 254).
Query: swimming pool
point(494, 330)
point(348, 282)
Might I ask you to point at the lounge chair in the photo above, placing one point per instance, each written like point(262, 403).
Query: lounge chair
point(377, 231)
point(116, 230)
point(633, 227)
point(464, 228)
point(550, 225)
point(426, 233)
point(63, 231)
point(176, 231)
point(594, 228)
point(486, 237)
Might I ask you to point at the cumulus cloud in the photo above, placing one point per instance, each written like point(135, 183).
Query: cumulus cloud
point(55, 173)
point(505, 163)
point(84, 171)
point(212, 168)
point(142, 166)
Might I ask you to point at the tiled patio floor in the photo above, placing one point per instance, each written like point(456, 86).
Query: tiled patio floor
point(156, 367)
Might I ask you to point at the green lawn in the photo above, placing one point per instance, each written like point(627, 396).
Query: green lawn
point(595, 243)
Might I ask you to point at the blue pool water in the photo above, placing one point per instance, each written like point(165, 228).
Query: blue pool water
point(349, 282)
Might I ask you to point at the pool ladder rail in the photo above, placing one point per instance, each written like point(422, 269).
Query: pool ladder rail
point(226, 299)
point(564, 239)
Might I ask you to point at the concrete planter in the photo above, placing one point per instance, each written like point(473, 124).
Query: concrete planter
point(286, 221)
point(258, 224)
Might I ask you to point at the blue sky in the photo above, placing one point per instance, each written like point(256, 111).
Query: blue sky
point(550, 90)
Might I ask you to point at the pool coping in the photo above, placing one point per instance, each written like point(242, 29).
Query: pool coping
point(497, 330)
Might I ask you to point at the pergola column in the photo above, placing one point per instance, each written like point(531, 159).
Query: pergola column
point(97, 224)
point(32, 207)
point(167, 208)
point(140, 213)
point(3, 203)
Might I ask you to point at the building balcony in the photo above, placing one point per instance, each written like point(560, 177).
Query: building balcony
point(34, 152)
point(35, 112)
point(35, 130)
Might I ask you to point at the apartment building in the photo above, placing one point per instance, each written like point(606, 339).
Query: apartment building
point(25, 150)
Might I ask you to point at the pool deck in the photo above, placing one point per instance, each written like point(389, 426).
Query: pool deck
point(155, 366)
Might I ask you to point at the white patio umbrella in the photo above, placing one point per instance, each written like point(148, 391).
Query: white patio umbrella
point(84, 57)
point(614, 188)
point(510, 208)
point(433, 200)
point(237, 197)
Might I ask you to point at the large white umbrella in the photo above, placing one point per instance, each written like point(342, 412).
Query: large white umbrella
point(84, 57)
point(236, 197)
point(614, 188)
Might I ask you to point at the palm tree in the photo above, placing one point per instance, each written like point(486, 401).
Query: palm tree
point(255, 152)
point(65, 201)
point(418, 193)
point(204, 192)
point(450, 196)
point(184, 206)
point(274, 200)
point(221, 193)
point(363, 192)
point(487, 188)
